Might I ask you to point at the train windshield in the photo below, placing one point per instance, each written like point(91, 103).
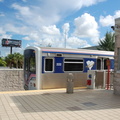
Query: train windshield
point(29, 65)
point(29, 61)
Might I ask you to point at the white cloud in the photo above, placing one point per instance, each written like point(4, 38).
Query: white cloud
point(54, 42)
point(63, 6)
point(86, 27)
point(26, 38)
point(22, 30)
point(66, 28)
point(91, 2)
point(95, 40)
point(51, 30)
point(29, 16)
point(75, 42)
point(117, 14)
point(36, 22)
point(47, 42)
point(2, 31)
point(109, 20)
point(5, 36)
point(24, 10)
point(27, 45)
point(45, 33)
point(49, 12)
point(34, 35)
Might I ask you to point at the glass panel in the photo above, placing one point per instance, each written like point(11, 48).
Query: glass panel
point(73, 60)
point(29, 64)
point(73, 65)
point(48, 64)
point(105, 65)
point(99, 64)
point(32, 64)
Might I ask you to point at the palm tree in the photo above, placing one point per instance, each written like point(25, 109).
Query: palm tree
point(15, 60)
point(20, 60)
point(9, 60)
point(2, 62)
point(108, 43)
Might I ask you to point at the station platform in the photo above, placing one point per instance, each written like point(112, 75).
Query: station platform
point(56, 104)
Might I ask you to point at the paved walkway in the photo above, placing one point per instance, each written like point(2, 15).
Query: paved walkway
point(58, 105)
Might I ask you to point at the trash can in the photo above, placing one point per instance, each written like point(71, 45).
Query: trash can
point(70, 83)
point(91, 76)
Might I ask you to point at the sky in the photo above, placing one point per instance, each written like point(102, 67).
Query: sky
point(81, 23)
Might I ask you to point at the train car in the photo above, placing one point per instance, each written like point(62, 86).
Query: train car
point(47, 68)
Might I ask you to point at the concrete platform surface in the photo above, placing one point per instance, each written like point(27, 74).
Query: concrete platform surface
point(55, 104)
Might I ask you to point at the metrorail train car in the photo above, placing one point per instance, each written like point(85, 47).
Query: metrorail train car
point(46, 68)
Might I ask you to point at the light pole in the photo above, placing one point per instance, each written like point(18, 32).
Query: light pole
point(65, 35)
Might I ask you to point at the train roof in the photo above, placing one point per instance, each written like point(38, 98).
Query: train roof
point(74, 51)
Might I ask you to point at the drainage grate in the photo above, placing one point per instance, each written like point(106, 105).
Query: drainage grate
point(74, 108)
point(89, 104)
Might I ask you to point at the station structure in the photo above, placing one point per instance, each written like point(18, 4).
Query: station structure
point(116, 81)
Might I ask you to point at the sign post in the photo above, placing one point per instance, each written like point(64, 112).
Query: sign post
point(108, 75)
point(10, 49)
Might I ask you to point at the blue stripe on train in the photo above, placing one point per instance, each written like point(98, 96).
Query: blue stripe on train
point(79, 53)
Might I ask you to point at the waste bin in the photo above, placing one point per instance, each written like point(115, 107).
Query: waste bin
point(70, 83)
point(91, 76)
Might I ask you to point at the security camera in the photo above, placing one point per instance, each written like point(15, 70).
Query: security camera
point(113, 27)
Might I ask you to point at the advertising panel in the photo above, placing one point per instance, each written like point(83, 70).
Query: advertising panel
point(11, 43)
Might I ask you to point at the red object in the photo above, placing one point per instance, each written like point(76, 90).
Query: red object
point(108, 77)
point(88, 82)
point(34, 85)
point(108, 62)
point(7, 42)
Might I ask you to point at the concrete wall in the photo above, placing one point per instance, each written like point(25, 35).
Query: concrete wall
point(116, 80)
point(11, 79)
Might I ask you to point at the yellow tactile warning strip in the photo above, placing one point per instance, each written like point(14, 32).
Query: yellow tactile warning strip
point(6, 92)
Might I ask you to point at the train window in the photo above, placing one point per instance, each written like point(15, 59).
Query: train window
point(99, 64)
point(48, 64)
point(105, 64)
point(29, 61)
point(73, 65)
point(32, 64)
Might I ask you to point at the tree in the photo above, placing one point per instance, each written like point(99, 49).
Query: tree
point(108, 43)
point(18, 60)
point(14, 60)
point(9, 60)
point(2, 62)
